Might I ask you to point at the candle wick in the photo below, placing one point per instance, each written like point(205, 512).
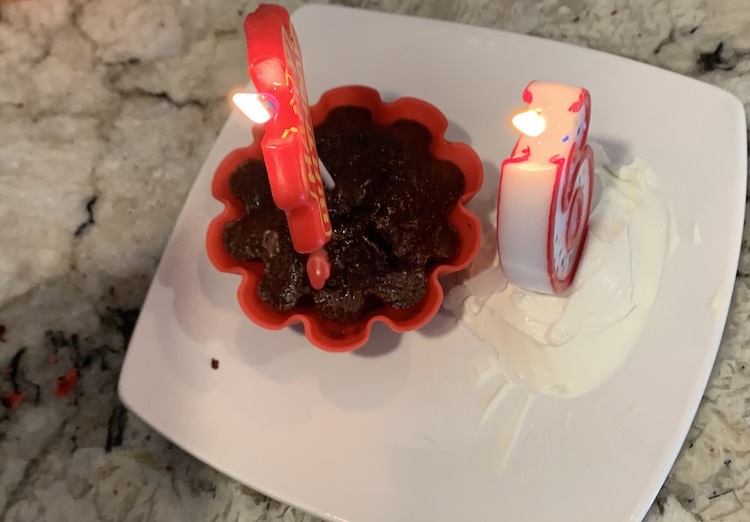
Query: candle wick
point(326, 176)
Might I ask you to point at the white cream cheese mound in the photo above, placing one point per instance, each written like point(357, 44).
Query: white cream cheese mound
point(567, 345)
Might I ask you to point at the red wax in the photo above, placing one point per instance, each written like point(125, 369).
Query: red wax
point(318, 268)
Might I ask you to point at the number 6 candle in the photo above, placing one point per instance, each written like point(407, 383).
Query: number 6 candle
point(544, 197)
point(289, 152)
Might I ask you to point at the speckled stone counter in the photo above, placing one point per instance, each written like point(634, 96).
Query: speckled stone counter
point(107, 110)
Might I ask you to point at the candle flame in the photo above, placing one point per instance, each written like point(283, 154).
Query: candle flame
point(531, 123)
point(258, 107)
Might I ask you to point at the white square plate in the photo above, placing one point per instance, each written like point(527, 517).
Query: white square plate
point(391, 432)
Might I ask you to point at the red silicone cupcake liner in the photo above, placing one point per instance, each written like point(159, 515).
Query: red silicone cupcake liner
point(325, 334)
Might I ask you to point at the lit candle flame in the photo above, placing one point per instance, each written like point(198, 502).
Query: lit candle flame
point(258, 107)
point(531, 123)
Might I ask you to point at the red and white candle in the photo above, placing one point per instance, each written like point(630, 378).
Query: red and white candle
point(289, 152)
point(544, 197)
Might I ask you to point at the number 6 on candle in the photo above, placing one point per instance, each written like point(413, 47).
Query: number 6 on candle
point(544, 196)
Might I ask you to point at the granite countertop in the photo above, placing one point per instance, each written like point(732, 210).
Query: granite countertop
point(107, 110)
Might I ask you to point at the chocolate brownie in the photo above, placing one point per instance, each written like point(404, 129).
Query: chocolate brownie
point(388, 212)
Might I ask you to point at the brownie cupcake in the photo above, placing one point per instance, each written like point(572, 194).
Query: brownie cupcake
point(396, 211)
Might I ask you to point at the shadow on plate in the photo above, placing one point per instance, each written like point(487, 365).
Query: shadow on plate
point(618, 152)
point(196, 286)
point(440, 325)
point(382, 341)
point(341, 378)
point(456, 133)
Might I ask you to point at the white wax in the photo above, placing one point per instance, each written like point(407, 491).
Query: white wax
point(567, 345)
point(525, 201)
